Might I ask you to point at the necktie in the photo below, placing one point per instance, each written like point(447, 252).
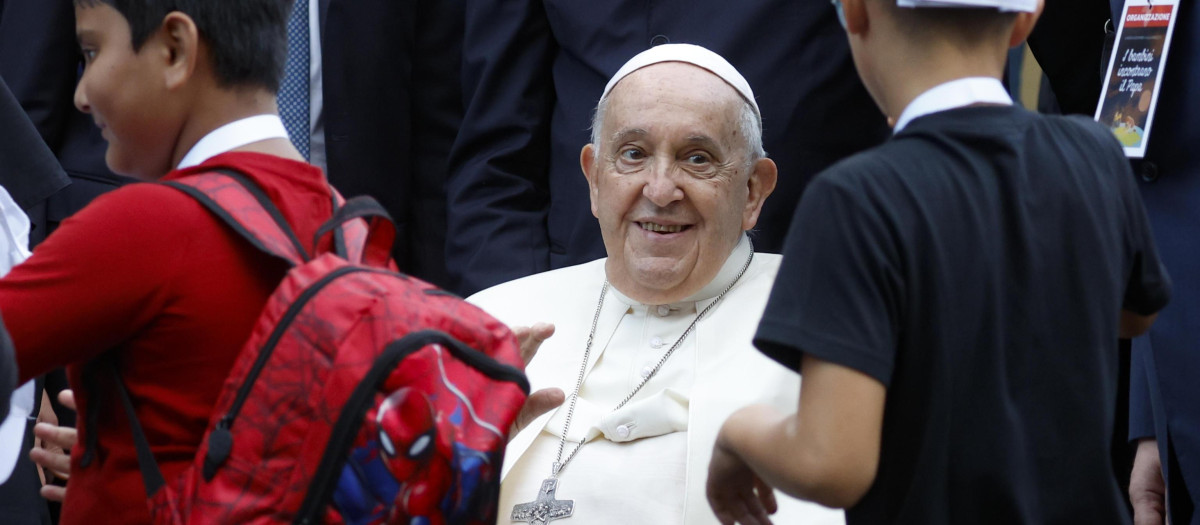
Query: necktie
point(293, 92)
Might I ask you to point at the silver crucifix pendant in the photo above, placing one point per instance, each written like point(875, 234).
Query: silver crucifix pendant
point(545, 508)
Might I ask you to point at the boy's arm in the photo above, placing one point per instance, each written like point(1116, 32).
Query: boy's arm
point(1133, 325)
point(99, 279)
point(828, 452)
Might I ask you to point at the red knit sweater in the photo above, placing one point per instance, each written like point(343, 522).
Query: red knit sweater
point(149, 274)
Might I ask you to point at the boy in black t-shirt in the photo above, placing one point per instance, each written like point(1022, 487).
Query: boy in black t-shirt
point(953, 297)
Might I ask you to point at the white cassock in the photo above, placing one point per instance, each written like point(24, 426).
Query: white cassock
point(14, 248)
point(648, 461)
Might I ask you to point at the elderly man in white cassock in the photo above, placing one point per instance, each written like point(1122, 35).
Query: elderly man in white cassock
point(650, 347)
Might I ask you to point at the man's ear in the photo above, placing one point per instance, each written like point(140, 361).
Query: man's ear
point(181, 43)
point(760, 183)
point(855, 12)
point(587, 161)
point(1024, 25)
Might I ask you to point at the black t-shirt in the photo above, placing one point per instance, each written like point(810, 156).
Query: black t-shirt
point(976, 265)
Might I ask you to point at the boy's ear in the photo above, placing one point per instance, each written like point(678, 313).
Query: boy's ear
point(181, 41)
point(1024, 25)
point(855, 12)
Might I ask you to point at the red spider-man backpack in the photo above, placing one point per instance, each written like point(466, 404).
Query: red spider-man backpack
point(363, 396)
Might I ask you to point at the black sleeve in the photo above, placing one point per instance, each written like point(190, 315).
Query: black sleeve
point(1149, 286)
point(838, 293)
point(498, 188)
point(29, 171)
point(1068, 43)
point(39, 58)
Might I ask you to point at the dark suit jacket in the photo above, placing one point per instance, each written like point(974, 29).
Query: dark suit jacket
point(40, 60)
point(392, 107)
point(1164, 391)
point(532, 74)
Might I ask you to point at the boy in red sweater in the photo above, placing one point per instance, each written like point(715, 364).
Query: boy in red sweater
point(145, 276)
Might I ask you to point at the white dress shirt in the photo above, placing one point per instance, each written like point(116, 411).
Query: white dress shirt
point(232, 136)
point(316, 90)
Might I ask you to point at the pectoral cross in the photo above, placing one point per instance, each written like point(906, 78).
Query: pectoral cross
point(545, 508)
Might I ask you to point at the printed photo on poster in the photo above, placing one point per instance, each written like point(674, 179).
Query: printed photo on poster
point(1135, 71)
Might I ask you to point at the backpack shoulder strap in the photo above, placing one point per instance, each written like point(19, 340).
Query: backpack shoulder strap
point(350, 239)
point(241, 204)
point(363, 231)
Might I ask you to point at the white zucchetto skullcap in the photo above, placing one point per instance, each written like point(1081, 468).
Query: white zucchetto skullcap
point(688, 54)
point(1027, 6)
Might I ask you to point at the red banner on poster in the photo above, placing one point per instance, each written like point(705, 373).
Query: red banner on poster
point(1153, 16)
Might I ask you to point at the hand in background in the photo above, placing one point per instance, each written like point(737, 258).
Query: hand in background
point(1147, 491)
point(51, 445)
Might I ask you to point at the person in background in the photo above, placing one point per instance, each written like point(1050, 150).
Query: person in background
point(652, 342)
point(371, 95)
point(531, 71)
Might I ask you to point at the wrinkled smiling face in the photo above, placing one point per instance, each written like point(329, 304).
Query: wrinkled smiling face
point(671, 182)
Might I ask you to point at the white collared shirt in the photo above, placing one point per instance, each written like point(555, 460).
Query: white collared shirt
point(232, 136)
point(954, 94)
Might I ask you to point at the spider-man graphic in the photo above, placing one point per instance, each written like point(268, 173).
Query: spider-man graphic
point(411, 471)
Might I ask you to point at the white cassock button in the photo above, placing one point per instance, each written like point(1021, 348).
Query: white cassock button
point(647, 371)
point(663, 310)
point(656, 342)
point(623, 431)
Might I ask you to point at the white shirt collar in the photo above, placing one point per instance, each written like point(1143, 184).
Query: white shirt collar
point(232, 136)
point(954, 94)
point(728, 272)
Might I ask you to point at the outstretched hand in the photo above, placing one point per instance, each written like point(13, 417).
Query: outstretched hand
point(531, 338)
point(50, 450)
point(735, 493)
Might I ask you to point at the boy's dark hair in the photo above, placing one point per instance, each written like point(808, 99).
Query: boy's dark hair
point(247, 38)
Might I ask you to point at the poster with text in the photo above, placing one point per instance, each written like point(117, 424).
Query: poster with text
point(1135, 71)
